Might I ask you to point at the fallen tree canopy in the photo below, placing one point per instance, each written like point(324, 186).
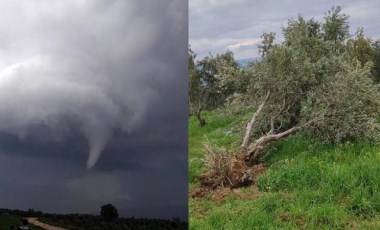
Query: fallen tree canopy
point(315, 81)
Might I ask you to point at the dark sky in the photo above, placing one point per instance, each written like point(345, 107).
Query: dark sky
point(238, 24)
point(93, 106)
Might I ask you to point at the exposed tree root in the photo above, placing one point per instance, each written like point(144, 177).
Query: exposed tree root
point(225, 170)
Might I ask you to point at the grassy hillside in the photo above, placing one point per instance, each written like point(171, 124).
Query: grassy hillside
point(6, 221)
point(305, 186)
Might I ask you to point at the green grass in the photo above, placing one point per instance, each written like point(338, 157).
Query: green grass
point(306, 185)
point(6, 221)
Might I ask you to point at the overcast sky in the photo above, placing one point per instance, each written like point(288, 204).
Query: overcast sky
point(216, 26)
point(93, 106)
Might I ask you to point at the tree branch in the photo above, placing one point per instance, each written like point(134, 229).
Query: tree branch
point(282, 109)
point(271, 131)
point(254, 120)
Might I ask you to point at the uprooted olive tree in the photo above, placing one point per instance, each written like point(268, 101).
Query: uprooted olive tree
point(318, 81)
point(310, 82)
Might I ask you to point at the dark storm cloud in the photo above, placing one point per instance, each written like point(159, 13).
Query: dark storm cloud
point(83, 65)
point(97, 81)
point(220, 25)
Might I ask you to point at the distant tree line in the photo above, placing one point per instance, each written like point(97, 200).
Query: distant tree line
point(98, 222)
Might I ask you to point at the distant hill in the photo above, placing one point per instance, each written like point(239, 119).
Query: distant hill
point(245, 61)
point(171, 211)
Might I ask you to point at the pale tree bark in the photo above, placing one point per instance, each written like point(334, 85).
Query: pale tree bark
point(253, 121)
point(255, 149)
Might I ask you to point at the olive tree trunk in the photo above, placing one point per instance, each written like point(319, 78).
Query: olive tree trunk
point(253, 149)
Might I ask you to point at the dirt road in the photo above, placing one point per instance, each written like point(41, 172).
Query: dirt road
point(34, 221)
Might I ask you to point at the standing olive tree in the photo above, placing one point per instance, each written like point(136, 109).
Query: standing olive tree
point(376, 60)
point(309, 82)
point(336, 27)
point(209, 85)
point(359, 49)
point(197, 91)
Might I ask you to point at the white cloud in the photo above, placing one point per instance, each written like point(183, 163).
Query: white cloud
point(222, 45)
point(244, 43)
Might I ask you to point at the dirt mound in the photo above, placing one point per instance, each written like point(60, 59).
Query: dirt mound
point(221, 194)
